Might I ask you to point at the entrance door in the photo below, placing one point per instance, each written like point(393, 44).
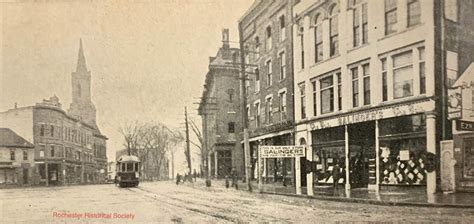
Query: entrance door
point(361, 151)
point(25, 175)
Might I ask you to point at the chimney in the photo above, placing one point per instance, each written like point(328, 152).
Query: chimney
point(225, 38)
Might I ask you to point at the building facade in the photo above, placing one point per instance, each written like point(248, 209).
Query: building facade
point(370, 85)
point(16, 159)
point(266, 37)
point(220, 112)
point(69, 147)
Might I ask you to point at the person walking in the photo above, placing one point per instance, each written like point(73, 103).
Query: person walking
point(233, 175)
point(178, 178)
point(194, 175)
point(336, 175)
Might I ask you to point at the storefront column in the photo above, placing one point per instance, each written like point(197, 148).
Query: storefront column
point(431, 147)
point(215, 163)
point(309, 157)
point(46, 172)
point(297, 175)
point(377, 157)
point(209, 170)
point(346, 152)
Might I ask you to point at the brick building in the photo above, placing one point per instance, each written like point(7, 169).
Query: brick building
point(371, 79)
point(220, 112)
point(267, 48)
point(69, 147)
point(16, 159)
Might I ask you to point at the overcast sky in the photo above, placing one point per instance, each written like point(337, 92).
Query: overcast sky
point(148, 58)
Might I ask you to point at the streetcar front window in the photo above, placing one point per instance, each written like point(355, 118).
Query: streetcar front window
point(136, 166)
point(129, 167)
point(123, 168)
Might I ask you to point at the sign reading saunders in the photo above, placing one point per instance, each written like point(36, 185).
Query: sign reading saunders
point(281, 151)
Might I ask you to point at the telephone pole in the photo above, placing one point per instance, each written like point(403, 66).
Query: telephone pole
point(188, 152)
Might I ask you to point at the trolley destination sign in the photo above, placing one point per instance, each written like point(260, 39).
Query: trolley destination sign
point(281, 151)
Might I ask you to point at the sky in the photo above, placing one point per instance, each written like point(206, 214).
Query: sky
point(148, 59)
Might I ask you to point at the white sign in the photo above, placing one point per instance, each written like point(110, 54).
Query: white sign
point(404, 155)
point(454, 103)
point(281, 151)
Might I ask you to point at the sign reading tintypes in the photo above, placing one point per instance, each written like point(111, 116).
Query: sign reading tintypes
point(454, 103)
point(281, 151)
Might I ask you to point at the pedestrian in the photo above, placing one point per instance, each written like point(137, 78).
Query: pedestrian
point(178, 178)
point(195, 175)
point(336, 175)
point(233, 175)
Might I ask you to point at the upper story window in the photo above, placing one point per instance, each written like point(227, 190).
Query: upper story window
point(282, 57)
point(53, 152)
point(257, 115)
point(390, 16)
point(269, 38)
point(257, 80)
point(269, 73)
point(12, 155)
point(339, 91)
point(301, 40)
point(282, 28)
point(315, 96)
point(231, 127)
point(366, 83)
point(41, 151)
point(25, 155)
point(42, 130)
point(334, 30)
point(318, 38)
point(451, 10)
point(414, 12)
point(230, 93)
point(302, 100)
point(52, 131)
point(355, 86)
point(421, 55)
point(403, 75)
point(327, 94)
point(247, 86)
point(269, 109)
point(360, 28)
point(257, 47)
point(384, 80)
point(248, 112)
point(282, 96)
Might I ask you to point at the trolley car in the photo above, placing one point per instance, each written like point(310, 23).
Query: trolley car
point(128, 171)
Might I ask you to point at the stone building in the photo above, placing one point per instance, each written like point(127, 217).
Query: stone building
point(16, 159)
point(266, 38)
point(220, 112)
point(371, 79)
point(69, 147)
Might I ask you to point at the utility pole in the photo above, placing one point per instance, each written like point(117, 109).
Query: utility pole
point(243, 96)
point(188, 153)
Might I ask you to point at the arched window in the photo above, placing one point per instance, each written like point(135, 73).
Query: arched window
point(269, 38)
point(334, 30)
point(318, 38)
point(257, 47)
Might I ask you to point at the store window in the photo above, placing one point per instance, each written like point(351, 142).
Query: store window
point(328, 150)
point(327, 94)
point(468, 163)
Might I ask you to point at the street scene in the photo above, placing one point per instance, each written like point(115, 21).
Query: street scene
point(209, 111)
point(161, 202)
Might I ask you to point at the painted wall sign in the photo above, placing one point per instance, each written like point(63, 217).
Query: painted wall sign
point(281, 151)
point(464, 125)
point(373, 114)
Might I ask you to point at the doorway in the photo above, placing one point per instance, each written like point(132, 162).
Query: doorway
point(361, 153)
point(25, 175)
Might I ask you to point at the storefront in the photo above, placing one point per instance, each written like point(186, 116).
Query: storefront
point(380, 148)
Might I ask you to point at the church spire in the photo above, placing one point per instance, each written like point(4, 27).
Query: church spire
point(81, 59)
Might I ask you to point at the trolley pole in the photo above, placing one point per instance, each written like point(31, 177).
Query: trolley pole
point(188, 152)
point(243, 96)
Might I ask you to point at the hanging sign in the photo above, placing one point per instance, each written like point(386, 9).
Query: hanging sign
point(454, 103)
point(281, 151)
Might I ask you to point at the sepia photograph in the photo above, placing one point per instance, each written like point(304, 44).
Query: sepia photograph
point(236, 111)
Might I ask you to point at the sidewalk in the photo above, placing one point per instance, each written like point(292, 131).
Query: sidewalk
point(413, 197)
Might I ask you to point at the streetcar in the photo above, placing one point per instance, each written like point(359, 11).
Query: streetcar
point(128, 171)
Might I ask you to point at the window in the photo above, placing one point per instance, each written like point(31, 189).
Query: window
point(231, 127)
point(269, 73)
point(42, 130)
point(414, 13)
point(365, 25)
point(41, 151)
point(421, 55)
point(257, 120)
point(355, 86)
point(318, 39)
point(269, 38)
point(302, 46)
point(282, 65)
point(366, 82)
point(384, 80)
point(451, 10)
point(257, 80)
point(52, 131)
point(339, 91)
point(282, 96)
point(269, 110)
point(327, 94)
point(257, 47)
point(247, 85)
point(248, 113)
point(402, 75)
point(390, 16)
point(25, 155)
point(12, 155)
point(315, 96)
point(302, 100)
point(282, 28)
point(334, 31)
point(356, 27)
point(52, 151)
point(230, 93)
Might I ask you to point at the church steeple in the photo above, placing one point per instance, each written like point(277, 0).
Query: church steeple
point(81, 59)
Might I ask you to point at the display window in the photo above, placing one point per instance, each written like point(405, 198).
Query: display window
point(468, 164)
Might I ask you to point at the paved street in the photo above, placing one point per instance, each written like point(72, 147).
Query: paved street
point(166, 202)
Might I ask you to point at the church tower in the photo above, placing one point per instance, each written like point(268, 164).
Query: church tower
point(82, 106)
